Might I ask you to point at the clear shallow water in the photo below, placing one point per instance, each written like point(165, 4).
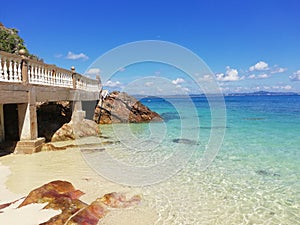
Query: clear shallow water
point(254, 179)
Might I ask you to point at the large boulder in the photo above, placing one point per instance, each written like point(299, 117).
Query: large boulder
point(74, 130)
point(119, 107)
point(52, 116)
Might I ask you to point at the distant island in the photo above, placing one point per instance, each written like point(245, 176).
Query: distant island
point(262, 93)
point(257, 93)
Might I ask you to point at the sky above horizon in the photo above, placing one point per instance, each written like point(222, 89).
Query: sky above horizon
point(248, 45)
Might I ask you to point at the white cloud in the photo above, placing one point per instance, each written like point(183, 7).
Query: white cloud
point(252, 76)
point(74, 56)
point(186, 90)
point(230, 75)
point(112, 83)
point(58, 55)
point(149, 84)
point(259, 76)
point(93, 71)
point(278, 70)
point(263, 76)
point(177, 81)
point(285, 87)
point(295, 76)
point(261, 65)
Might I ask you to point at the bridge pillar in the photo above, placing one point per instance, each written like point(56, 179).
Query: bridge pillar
point(2, 134)
point(78, 114)
point(29, 141)
point(27, 121)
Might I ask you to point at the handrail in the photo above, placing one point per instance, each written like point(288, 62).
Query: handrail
point(19, 69)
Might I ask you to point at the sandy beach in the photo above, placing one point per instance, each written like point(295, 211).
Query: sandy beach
point(22, 173)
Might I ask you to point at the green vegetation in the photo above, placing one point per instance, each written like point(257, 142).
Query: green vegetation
point(11, 42)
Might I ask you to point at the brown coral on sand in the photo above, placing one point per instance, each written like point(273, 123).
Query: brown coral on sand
point(61, 195)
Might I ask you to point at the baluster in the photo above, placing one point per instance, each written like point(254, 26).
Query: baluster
point(36, 71)
point(44, 81)
point(19, 71)
point(56, 83)
point(15, 71)
point(70, 81)
point(58, 79)
point(61, 81)
point(33, 75)
point(29, 72)
point(42, 75)
point(10, 70)
point(52, 76)
point(1, 70)
point(49, 76)
point(46, 76)
point(66, 80)
point(39, 75)
point(5, 69)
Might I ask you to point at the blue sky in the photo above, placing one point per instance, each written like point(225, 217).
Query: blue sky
point(249, 45)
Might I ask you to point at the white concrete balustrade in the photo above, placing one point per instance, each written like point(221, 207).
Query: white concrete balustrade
point(19, 69)
point(10, 68)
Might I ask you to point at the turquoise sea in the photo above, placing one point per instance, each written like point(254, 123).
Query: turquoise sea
point(253, 179)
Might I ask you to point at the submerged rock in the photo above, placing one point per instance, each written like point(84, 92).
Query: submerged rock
point(185, 141)
point(266, 173)
point(119, 107)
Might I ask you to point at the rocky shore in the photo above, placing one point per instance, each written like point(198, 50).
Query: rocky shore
point(119, 107)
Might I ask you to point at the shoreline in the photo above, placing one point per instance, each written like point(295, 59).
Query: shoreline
point(27, 172)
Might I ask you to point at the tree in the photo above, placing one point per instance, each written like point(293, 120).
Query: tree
point(11, 42)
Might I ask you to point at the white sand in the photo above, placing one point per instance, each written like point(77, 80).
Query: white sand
point(31, 171)
point(27, 215)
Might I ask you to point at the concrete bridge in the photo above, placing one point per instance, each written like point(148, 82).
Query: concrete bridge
point(23, 83)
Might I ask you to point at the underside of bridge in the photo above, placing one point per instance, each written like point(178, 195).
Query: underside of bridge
point(18, 112)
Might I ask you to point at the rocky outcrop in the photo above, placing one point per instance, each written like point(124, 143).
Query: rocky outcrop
point(119, 107)
point(74, 130)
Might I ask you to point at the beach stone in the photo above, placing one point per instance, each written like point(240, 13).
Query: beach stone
point(119, 107)
point(72, 131)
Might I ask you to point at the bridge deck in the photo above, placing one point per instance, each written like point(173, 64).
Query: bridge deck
point(18, 93)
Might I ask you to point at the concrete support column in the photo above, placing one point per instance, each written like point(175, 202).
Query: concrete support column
point(28, 118)
point(2, 130)
point(28, 128)
point(27, 121)
point(78, 114)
